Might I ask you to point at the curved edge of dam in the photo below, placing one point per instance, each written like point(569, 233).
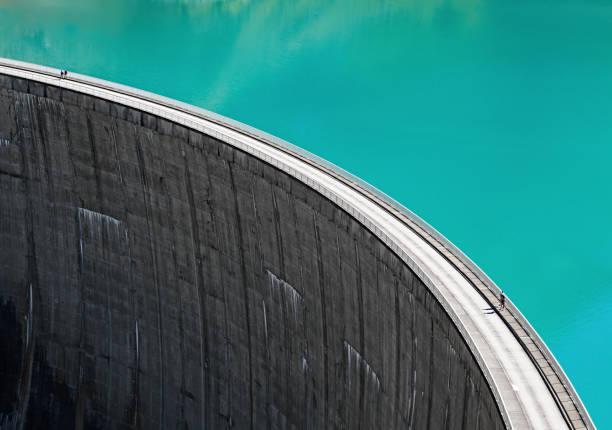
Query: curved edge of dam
point(529, 387)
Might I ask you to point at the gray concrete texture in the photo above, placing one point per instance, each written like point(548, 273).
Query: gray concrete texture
point(154, 277)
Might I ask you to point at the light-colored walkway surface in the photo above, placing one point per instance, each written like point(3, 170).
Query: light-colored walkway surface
point(530, 388)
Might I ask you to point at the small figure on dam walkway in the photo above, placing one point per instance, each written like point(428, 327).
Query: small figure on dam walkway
point(502, 301)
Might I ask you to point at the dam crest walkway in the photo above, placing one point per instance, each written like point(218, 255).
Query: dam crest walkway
point(530, 388)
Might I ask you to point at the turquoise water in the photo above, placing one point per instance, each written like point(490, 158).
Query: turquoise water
point(491, 119)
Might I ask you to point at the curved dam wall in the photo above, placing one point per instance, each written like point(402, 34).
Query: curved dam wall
point(155, 277)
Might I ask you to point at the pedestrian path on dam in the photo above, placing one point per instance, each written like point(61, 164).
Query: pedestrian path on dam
point(529, 386)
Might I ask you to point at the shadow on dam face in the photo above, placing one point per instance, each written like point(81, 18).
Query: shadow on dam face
point(152, 277)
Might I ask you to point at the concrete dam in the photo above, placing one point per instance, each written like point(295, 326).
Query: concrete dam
point(163, 267)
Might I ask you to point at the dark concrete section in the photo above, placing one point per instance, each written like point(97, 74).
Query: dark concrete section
point(154, 277)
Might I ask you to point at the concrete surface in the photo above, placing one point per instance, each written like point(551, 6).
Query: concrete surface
point(155, 276)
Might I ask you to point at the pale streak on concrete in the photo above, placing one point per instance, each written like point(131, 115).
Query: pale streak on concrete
point(522, 395)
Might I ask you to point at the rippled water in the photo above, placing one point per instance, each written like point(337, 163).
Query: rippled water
point(491, 119)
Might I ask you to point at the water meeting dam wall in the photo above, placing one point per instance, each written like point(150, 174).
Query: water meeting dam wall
point(155, 276)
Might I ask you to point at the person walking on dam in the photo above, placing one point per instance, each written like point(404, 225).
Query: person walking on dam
point(502, 301)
